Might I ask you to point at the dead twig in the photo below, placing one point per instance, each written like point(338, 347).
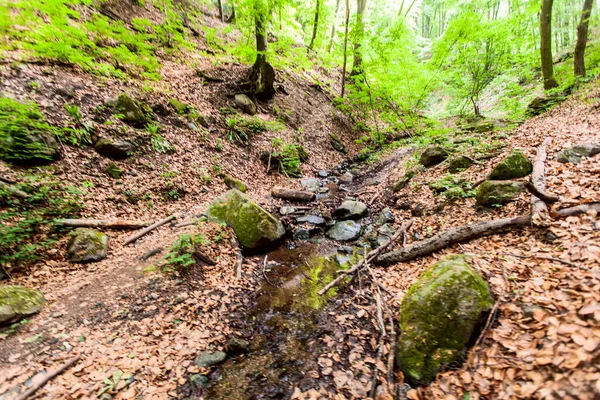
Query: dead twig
point(239, 258)
point(47, 379)
point(558, 260)
point(149, 229)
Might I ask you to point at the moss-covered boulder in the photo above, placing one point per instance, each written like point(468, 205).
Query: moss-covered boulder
point(18, 302)
point(254, 226)
point(491, 193)
point(113, 170)
point(439, 316)
point(116, 149)
point(404, 180)
point(233, 183)
point(179, 107)
point(576, 153)
point(433, 155)
point(515, 165)
point(129, 109)
point(20, 147)
point(87, 245)
point(245, 104)
point(459, 163)
point(336, 143)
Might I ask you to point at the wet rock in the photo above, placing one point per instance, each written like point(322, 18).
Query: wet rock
point(344, 231)
point(385, 216)
point(209, 358)
point(351, 209)
point(433, 155)
point(87, 245)
point(18, 302)
point(312, 219)
point(233, 183)
point(342, 259)
point(345, 249)
point(575, 153)
point(498, 192)
point(286, 210)
point(199, 381)
point(311, 184)
point(254, 226)
point(115, 149)
point(129, 109)
point(301, 233)
point(245, 104)
point(515, 165)
point(179, 107)
point(336, 143)
point(113, 170)
point(323, 173)
point(439, 316)
point(346, 178)
point(235, 347)
point(459, 163)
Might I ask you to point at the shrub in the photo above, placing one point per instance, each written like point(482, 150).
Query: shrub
point(181, 253)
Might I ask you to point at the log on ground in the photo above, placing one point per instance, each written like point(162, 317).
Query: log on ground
point(292, 195)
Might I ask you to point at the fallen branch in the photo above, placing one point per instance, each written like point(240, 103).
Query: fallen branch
point(238, 255)
point(577, 210)
point(537, 187)
point(7, 180)
point(102, 223)
point(545, 197)
point(13, 190)
point(147, 230)
point(199, 256)
point(558, 260)
point(370, 257)
point(292, 195)
point(47, 379)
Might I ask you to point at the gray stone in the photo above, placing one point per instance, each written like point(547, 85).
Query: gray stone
point(323, 173)
point(199, 381)
point(433, 155)
point(312, 219)
point(209, 358)
point(345, 249)
point(346, 178)
point(87, 245)
point(385, 216)
point(301, 234)
point(311, 184)
point(491, 193)
point(344, 231)
point(286, 210)
point(18, 302)
point(235, 347)
point(576, 153)
point(116, 149)
point(351, 209)
point(342, 259)
point(245, 104)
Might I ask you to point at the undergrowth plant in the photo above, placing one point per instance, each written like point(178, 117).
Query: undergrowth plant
point(452, 187)
point(240, 129)
point(181, 254)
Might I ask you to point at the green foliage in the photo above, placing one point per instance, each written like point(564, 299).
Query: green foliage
point(452, 187)
point(26, 225)
point(181, 253)
point(157, 141)
point(285, 157)
point(240, 128)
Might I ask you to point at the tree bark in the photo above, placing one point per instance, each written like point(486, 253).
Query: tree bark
point(221, 10)
point(539, 210)
point(358, 37)
point(345, 48)
point(292, 195)
point(337, 8)
point(101, 223)
point(315, 26)
point(582, 34)
point(262, 73)
point(546, 45)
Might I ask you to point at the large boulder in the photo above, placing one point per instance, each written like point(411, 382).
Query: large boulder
point(254, 226)
point(439, 316)
point(575, 153)
point(433, 156)
point(115, 149)
point(491, 193)
point(540, 105)
point(87, 245)
point(351, 209)
point(459, 163)
point(18, 302)
point(245, 104)
point(515, 165)
point(129, 109)
point(344, 231)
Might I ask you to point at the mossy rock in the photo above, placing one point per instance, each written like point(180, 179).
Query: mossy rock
point(18, 302)
point(491, 193)
point(21, 147)
point(131, 111)
point(115, 149)
point(179, 107)
point(403, 182)
point(336, 143)
point(459, 163)
point(254, 226)
point(576, 153)
point(245, 104)
point(433, 155)
point(113, 170)
point(439, 316)
point(87, 245)
point(515, 165)
point(233, 183)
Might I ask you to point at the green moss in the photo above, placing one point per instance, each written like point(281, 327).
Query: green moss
point(459, 163)
point(438, 316)
point(491, 193)
point(113, 170)
point(17, 302)
point(233, 183)
point(87, 245)
point(515, 165)
point(179, 107)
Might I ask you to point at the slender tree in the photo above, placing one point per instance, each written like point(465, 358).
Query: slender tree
point(262, 73)
point(315, 26)
point(546, 45)
point(221, 10)
point(345, 47)
point(582, 33)
point(359, 34)
point(331, 39)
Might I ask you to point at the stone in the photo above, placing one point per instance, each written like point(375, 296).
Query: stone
point(433, 155)
point(312, 219)
point(113, 170)
point(351, 209)
point(439, 316)
point(210, 358)
point(286, 210)
point(404, 180)
point(515, 165)
point(235, 347)
point(311, 184)
point(459, 163)
point(233, 183)
point(540, 105)
point(385, 216)
point(18, 302)
point(87, 245)
point(21, 147)
point(160, 109)
point(342, 259)
point(301, 234)
point(346, 178)
point(179, 107)
point(254, 226)
point(576, 153)
point(491, 193)
point(115, 149)
point(129, 109)
point(336, 143)
point(344, 231)
point(245, 104)
point(323, 173)
point(346, 249)
point(199, 381)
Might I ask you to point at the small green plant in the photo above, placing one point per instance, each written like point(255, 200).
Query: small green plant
point(160, 144)
point(241, 129)
point(452, 187)
point(181, 253)
point(74, 112)
point(285, 157)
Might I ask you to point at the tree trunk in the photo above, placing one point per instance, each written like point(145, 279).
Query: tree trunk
point(262, 73)
point(221, 10)
point(345, 48)
point(315, 26)
point(359, 34)
point(546, 45)
point(582, 33)
point(337, 8)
